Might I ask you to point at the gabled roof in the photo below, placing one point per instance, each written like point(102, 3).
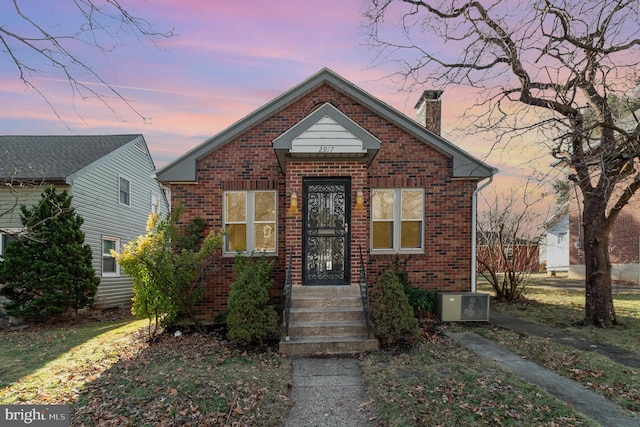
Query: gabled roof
point(557, 215)
point(58, 158)
point(326, 123)
point(183, 169)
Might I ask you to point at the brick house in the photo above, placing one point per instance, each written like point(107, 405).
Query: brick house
point(624, 242)
point(329, 172)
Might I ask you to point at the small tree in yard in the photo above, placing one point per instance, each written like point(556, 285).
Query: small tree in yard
point(507, 250)
point(251, 321)
point(166, 277)
point(392, 315)
point(48, 270)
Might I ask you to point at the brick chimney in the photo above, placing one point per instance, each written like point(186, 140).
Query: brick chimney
point(429, 110)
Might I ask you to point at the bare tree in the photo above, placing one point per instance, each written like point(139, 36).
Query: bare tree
point(542, 67)
point(508, 241)
point(39, 48)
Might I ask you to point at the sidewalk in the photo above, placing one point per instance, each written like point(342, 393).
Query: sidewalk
point(585, 401)
point(327, 392)
point(524, 327)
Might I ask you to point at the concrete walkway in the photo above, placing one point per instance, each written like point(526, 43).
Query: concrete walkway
point(585, 401)
point(327, 392)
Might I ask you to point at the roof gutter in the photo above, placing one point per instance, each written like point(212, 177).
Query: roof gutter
point(474, 230)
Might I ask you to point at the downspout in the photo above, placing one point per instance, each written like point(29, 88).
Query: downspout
point(474, 231)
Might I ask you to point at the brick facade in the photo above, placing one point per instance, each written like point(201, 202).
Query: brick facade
point(248, 162)
point(624, 242)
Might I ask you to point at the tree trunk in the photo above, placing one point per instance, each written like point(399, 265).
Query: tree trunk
point(599, 308)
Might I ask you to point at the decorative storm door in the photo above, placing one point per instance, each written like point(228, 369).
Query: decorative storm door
point(326, 231)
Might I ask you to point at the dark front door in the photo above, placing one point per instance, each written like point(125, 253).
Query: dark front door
point(326, 231)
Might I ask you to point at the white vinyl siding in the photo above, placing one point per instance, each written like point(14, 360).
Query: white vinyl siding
point(94, 201)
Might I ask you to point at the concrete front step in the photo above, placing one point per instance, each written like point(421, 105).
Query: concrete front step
point(326, 314)
point(325, 290)
point(321, 346)
point(325, 302)
point(326, 320)
point(344, 328)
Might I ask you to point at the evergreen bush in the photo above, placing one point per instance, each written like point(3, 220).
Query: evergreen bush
point(251, 320)
point(391, 313)
point(421, 300)
point(48, 270)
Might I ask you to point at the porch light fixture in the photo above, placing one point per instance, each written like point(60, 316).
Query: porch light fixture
point(359, 200)
point(293, 205)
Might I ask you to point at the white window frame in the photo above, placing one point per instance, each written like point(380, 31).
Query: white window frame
point(3, 239)
point(120, 178)
point(102, 256)
point(397, 224)
point(155, 202)
point(250, 223)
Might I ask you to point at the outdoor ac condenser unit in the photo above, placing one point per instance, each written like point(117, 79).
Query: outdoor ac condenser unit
point(463, 306)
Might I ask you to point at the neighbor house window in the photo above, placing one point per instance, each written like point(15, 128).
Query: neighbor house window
point(125, 191)
point(397, 220)
point(5, 238)
point(109, 264)
point(155, 203)
point(250, 221)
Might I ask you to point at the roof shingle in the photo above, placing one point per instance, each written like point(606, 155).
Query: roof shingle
point(54, 157)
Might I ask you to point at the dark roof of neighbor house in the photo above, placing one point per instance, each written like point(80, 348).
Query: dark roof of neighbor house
point(57, 158)
point(183, 169)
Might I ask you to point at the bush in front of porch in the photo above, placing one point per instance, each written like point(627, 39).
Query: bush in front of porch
point(393, 317)
point(251, 320)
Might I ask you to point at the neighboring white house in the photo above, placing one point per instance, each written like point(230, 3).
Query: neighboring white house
point(557, 241)
point(111, 179)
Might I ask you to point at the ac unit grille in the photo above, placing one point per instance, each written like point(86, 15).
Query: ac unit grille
point(463, 306)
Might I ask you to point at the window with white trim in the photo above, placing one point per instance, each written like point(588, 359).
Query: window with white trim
point(155, 203)
point(250, 221)
point(109, 265)
point(124, 189)
point(5, 238)
point(397, 220)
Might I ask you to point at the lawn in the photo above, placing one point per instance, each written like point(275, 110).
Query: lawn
point(109, 373)
point(441, 383)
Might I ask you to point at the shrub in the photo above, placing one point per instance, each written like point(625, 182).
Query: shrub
point(48, 270)
point(251, 320)
point(421, 300)
point(166, 266)
point(392, 315)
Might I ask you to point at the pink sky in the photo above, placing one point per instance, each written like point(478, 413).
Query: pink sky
point(227, 59)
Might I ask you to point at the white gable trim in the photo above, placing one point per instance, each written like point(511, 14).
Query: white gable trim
point(327, 136)
point(326, 133)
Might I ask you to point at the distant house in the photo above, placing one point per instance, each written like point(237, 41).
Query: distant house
point(565, 245)
point(327, 172)
point(557, 241)
point(624, 242)
point(111, 180)
point(518, 254)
